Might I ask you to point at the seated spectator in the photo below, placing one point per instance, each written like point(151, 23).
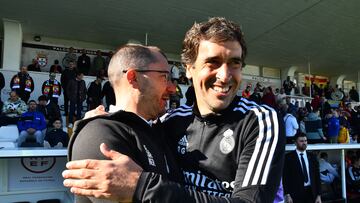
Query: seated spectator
point(31, 125)
point(55, 68)
point(354, 139)
point(313, 127)
point(55, 136)
point(291, 125)
point(353, 175)
point(12, 110)
point(50, 110)
point(328, 173)
point(94, 93)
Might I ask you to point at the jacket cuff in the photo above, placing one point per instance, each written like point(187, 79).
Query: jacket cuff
point(141, 187)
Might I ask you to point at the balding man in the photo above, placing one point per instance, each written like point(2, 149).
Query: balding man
point(140, 77)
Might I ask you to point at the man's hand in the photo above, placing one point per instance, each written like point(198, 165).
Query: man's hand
point(288, 199)
point(98, 111)
point(30, 130)
point(114, 179)
point(318, 199)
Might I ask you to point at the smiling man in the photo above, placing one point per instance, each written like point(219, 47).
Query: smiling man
point(227, 146)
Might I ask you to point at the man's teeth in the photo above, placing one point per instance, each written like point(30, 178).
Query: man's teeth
point(221, 89)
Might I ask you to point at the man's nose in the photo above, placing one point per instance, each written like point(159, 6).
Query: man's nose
point(223, 73)
point(171, 88)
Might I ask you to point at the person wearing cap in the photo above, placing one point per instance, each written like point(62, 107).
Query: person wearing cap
point(51, 88)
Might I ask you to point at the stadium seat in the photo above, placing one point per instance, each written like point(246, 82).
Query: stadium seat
point(8, 136)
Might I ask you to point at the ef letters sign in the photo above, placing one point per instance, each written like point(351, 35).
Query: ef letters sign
point(38, 164)
point(35, 173)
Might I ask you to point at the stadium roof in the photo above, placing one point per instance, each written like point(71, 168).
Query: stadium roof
point(279, 33)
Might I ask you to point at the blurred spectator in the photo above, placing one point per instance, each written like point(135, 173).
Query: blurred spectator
point(183, 79)
point(51, 88)
point(56, 68)
point(328, 90)
point(34, 66)
point(70, 56)
point(354, 95)
point(313, 127)
point(316, 102)
point(291, 125)
point(281, 97)
point(12, 110)
point(94, 93)
point(355, 119)
point(268, 97)
point(171, 108)
point(328, 173)
point(190, 95)
point(108, 93)
point(98, 64)
point(246, 92)
point(255, 96)
point(49, 109)
point(76, 92)
point(68, 75)
point(333, 126)
point(288, 85)
point(353, 175)
point(344, 136)
point(354, 139)
point(23, 84)
point(83, 63)
point(259, 87)
point(107, 61)
point(2, 85)
point(305, 90)
point(31, 125)
point(176, 97)
point(175, 72)
point(55, 136)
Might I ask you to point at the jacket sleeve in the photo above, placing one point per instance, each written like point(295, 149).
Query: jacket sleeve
point(261, 187)
point(42, 124)
point(43, 87)
point(316, 175)
point(21, 124)
point(91, 136)
point(32, 84)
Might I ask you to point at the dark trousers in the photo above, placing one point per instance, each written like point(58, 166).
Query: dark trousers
point(78, 106)
point(307, 198)
point(66, 104)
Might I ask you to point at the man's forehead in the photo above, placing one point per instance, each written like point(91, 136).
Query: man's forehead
point(210, 49)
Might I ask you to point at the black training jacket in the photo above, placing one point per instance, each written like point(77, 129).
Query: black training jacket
point(235, 156)
point(128, 134)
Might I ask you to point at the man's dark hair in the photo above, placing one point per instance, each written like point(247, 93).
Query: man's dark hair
point(323, 155)
point(42, 98)
point(32, 101)
point(299, 134)
point(217, 29)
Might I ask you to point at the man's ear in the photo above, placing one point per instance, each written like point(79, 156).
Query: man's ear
point(189, 68)
point(131, 75)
